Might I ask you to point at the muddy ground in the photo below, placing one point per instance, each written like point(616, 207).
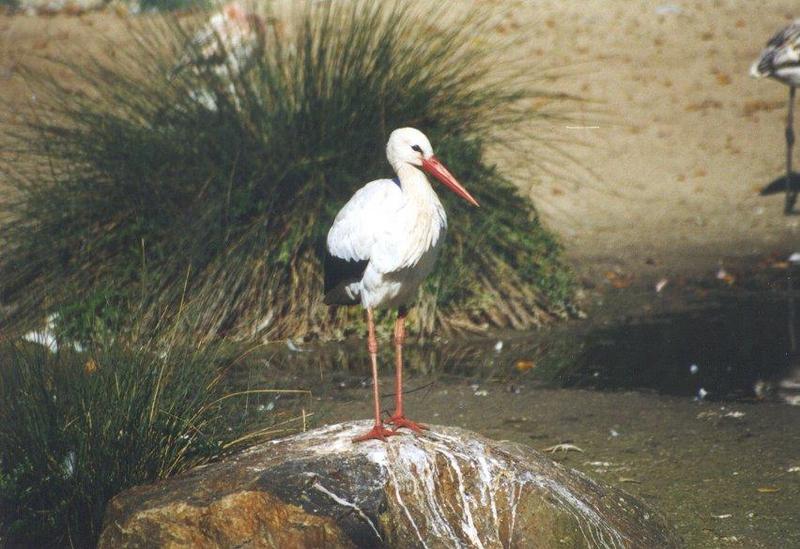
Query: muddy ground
point(722, 479)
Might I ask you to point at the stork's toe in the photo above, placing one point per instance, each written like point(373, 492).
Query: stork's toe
point(400, 421)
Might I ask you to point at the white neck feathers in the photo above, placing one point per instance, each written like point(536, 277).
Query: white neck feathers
point(426, 217)
point(416, 186)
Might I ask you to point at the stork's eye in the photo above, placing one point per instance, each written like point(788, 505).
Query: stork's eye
point(417, 148)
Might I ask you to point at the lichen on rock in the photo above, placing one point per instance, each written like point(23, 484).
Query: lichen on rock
point(448, 488)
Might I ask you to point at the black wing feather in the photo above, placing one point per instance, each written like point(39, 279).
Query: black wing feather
point(338, 274)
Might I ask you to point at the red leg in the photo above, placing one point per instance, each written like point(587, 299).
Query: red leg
point(378, 431)
point(398, 418)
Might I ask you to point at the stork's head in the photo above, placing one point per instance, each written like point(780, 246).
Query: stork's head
point(410, 146)
point(234, 11)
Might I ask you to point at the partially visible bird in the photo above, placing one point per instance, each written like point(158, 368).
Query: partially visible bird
point(382, 245)
point(226, 45)
point(781, 60)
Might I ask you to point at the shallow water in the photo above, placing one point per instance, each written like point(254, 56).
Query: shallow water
point(620, 387)
point(735, 348)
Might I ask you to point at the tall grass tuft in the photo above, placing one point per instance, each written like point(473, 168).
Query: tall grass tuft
point(77, 429)
point(211, 191)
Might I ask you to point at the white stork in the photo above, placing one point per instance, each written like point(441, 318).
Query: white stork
point(781, 60)
point(226, 45)
point(382, 245)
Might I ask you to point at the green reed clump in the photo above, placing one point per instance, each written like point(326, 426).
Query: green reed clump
point(211, 190)
point(76, 429)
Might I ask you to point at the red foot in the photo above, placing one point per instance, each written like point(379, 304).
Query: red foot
point(399, 421)
point(378, 432)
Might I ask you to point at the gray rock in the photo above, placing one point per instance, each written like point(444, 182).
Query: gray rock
point(448, 488)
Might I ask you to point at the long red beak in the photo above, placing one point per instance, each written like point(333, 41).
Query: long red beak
point(437, 170)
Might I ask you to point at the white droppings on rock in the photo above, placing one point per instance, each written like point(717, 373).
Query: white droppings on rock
point(513, 498)
point(486, 472)
point(378, 456)
point(600, 533)
point(335, 440)
point(445, 488)
point(405, 508)
point(343, 502)
point(424, 483)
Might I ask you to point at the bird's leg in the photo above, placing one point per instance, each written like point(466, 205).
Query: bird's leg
point(791, 192)
point(378, 431)
point(398, 418)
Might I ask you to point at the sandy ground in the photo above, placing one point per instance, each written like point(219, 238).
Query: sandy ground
point(686, 139)
point(679, 138)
